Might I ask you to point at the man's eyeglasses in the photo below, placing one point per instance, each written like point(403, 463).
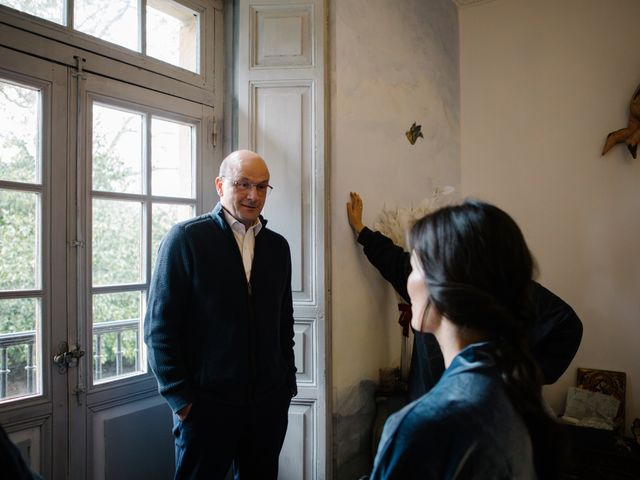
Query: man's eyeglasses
point(244, 186)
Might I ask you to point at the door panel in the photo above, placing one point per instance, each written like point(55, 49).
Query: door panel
point(280, 89)
point(132, 440)
point(282, 125)
point(142, 152)
point(33, 317)
point(299, 454)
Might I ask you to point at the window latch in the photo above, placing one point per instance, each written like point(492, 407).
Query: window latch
point(67, 357)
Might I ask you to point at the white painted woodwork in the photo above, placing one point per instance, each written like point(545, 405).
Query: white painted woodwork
point(281, 128)
point(280, 90)
point(305, 351)
point(299, 452)
point(283, 36)
point(120, 57)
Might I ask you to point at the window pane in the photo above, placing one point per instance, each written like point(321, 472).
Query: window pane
point(117, 150)
point(163, 217)
point(172, 33)
point(115, 22)
point(19, 347)
point(116, 242)
point(171, 159)
point(52, 10)
point(19, 133)
point(19, 248)
point(116, 335)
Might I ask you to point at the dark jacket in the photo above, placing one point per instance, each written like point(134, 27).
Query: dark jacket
point(465, 427)
point(207, 328)
point(554, 338)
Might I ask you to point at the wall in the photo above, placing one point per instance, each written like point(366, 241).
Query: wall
point(391, 63)
point(542, 84)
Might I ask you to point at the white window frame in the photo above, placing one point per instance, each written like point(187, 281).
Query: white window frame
point(66, 35)
point(145, 197)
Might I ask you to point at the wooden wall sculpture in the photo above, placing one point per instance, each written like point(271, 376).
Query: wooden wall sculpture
point(631, 134)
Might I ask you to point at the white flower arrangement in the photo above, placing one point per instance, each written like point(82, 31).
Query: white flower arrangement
point(395, 222)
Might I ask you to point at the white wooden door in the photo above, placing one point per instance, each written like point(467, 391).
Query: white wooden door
point(280, 90)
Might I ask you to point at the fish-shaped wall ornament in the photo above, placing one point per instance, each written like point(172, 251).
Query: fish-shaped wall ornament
point(631, 134)
point(413, 133)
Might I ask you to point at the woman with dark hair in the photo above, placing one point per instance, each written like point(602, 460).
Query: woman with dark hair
point(470, 286)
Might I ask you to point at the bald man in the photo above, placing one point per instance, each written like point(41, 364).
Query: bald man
point(219, 327)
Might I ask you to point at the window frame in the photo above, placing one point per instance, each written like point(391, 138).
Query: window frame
point(105, 92)
point(66, 35)
point(41, 187)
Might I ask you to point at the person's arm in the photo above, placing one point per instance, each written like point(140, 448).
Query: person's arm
point(286, 331)
point(556, 335)
point(165, 323)
point(393, 263)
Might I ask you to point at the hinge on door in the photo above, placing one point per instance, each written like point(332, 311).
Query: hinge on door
point(214, 132)
point(76, 243)
point(79, 63)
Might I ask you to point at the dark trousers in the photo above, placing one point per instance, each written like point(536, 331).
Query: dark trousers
point(215, 436)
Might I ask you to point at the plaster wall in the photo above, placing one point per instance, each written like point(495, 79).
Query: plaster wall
point(391, 63)
point(542, 84)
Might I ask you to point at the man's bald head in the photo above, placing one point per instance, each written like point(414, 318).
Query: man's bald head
point(236, 161)
point(241, 172)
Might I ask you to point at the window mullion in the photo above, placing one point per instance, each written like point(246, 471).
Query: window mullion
point(143, 26)
point(148, 194)
point(69, 6)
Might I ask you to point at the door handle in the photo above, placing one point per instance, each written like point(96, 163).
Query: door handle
point(67, 357)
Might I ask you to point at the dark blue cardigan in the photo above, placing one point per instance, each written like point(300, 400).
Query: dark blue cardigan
point(209, 330)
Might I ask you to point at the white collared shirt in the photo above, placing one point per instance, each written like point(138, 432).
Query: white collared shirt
point(245, 238)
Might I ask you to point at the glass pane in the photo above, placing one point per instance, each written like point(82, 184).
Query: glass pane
point(19, 133)
point(171, 159)
point(162, 219)
point(117, 150)
point(52, 10)
point(172, 33)
point(116, 335)
point(116, 242)
point(115, 22)
point(19, 248)
point(19, 347)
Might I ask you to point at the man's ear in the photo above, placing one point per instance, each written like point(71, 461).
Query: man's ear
point(218, 182)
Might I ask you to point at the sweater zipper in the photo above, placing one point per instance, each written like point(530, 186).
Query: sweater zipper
point(252, 344)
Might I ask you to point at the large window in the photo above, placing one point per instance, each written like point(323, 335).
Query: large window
point(163, 29)
point(21, 192)
point(142, 183)
point(107, 139)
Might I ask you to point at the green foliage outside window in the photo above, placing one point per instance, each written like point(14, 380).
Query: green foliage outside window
point(116, 243)
point(19, 216)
